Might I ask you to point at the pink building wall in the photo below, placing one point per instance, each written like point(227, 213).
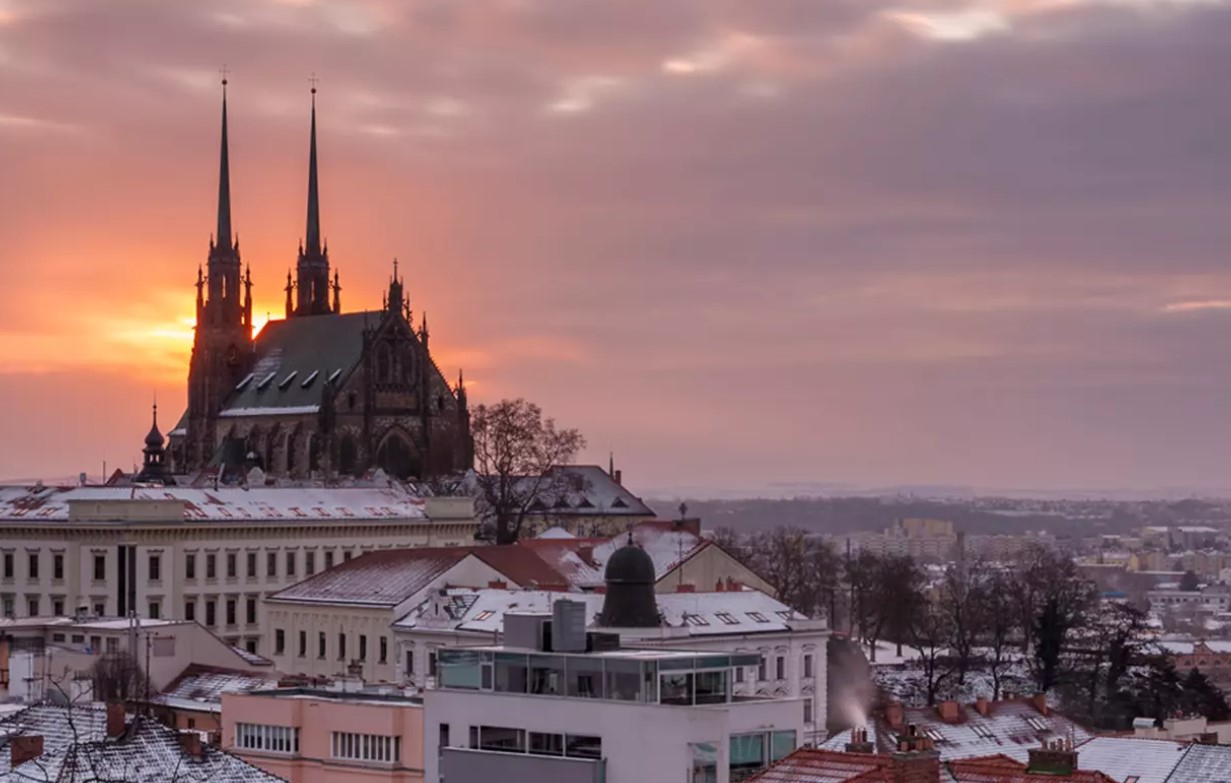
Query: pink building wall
point(317, 717)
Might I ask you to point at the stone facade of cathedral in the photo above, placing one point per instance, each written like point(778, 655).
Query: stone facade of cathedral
point(321, 393)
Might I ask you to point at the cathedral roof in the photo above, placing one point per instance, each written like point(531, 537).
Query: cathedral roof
point(294, 358)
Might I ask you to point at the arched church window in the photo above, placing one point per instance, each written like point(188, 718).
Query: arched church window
point(397, 457)
point(348, 457)
point(384, 364)
point(290, 453)
point(314, 453)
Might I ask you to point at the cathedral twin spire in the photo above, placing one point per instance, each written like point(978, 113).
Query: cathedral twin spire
point(312, 282)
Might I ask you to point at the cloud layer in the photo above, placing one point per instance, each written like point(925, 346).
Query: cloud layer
point(740, 244)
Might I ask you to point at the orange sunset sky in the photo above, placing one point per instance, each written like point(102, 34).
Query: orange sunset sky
point(773, 246)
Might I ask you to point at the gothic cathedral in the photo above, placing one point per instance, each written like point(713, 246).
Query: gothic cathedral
point(321, 393)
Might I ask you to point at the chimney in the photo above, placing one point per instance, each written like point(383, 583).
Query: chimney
point(685, 587)
point(948, 711)
point(859, 742)
point(619, 477)
point(190, 741)
point(981, 706)
point(25, 748)
point(1039, 700)
point(916, 759)
point(115, 719)
point(1055, 757)
point(894, 715)
point(498, 584)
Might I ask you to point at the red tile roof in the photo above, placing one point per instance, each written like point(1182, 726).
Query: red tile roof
point(812, 765)
point(521, 566)
point(1002, 769)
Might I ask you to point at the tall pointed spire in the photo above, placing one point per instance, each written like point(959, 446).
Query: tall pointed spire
point(313, 237)
point(223, 237)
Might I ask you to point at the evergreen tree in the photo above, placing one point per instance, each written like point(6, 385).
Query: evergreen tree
point(1204, 697)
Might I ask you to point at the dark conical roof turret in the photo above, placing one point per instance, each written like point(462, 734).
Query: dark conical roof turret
point(223, 237)
point(630, 578)
point(154, 438)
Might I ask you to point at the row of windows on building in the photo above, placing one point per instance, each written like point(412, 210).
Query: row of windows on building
point(8, 566)
point(779, 668)
point(343, 744)
point(230, 608)
point(230, 562)
point(34, 607)
point(341, 649)
point(290, 562)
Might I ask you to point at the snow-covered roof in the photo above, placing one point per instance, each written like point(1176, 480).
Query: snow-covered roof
point(201, 687)
point(1011, 728)
point(555, 532)
point(388, 577)
point(1181, 647)
point(225, 504)
point(1149, 760)
point(1203, 764)
point(591, 490)
point(583, 560)
point(695, 614)
point(76, 750)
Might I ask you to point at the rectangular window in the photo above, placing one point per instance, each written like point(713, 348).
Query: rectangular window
point(34, 605)
point(230, 611)
point(290, 563)
point(808, 665)
point(583, 746)
point(190, 566)
point(761, 672)
point(33, 572)
point(341, 647)
point(363, 646)
point(271, 564)
point(808, 711)
point(251, 611)
point(9, 611)
point(431, 663)
point(309, 565)
point(211, 566)
point(190, 609)
point(410, 662)
point(252, 565)
point(546, 744)
point(57, 566)
point(279, 641)
point(739, 673)
point(320, 645)
point(113, 644)
point(346, 555)
point(100, 568)
point(232, 565)
point(271, 739)
point(303, 644)
point(366, 747)
point(100, 610)
point(328, 559)
point(780, 668)
point(155, 568)
point(501, 739)
point(57, 608)
point(211, 612)
point(8, 565)
point(155, 610)
point(384, 649)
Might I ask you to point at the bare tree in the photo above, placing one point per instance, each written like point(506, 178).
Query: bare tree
point(960, 595)
point(931, 629)
point(995, 608)
point(518, 456)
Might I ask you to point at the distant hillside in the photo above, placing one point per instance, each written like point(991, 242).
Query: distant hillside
point(975, 516)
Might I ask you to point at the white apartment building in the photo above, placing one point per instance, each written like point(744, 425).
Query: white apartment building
point(557, 703)
point(208, 555)
point(789, 649)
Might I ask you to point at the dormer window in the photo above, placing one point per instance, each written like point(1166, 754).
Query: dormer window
point(288, 379)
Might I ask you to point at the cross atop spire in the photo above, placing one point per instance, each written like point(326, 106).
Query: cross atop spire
point(313, 236)
point(223, 237)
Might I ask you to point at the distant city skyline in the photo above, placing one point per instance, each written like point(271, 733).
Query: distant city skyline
point(744, 246)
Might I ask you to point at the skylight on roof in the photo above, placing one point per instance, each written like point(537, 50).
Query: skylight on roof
point(483, 615)
point(695, 619)
point(785, 614)
point(726, 618)
point(760, 618)
point(247, 379)
point(333, 376)
point(934, 735)
point(267, 380)
point(308, 381)
point(1038, 724)
point(287, 380)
